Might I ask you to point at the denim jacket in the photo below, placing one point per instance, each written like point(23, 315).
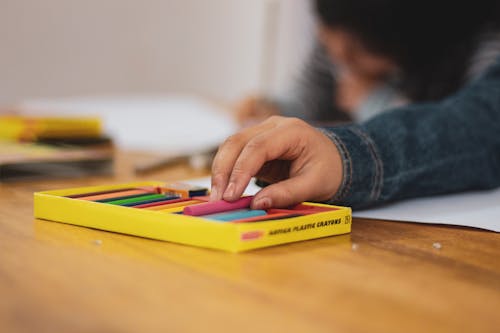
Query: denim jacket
point(423, 149)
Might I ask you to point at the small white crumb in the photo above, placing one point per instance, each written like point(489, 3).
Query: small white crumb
point(354, 246)
point(97, 242)
point(436, 245)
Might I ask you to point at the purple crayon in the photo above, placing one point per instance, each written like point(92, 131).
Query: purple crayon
point(217, 206)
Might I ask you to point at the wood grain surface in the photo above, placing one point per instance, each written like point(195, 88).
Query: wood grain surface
point(383, 277)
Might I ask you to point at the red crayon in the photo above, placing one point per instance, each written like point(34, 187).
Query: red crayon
point(160, 203)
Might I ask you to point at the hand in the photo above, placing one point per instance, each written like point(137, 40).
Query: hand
point(253, 110)
point(301, 163)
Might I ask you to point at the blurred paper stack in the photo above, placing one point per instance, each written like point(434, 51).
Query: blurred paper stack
point(53, 147)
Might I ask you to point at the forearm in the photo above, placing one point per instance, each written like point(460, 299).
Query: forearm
point(423, 149)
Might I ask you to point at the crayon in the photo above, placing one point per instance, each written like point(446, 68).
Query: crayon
point(160, 203)
point(94, 196)
point(115, 198)
point(268, 217)
point(217, 206)
point(205, 198)
point(184, 190)
point(302, 210)
point(141, 199)
point(173, 205)
point(235, 215)
point(317, 209)
point(133, 204)
point(174, 210)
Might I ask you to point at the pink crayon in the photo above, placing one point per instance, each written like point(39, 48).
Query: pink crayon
point(217, 206)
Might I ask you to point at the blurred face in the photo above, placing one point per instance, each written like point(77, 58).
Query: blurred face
point(347, 52)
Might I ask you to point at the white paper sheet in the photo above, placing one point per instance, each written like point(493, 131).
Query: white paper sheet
point(470, 209)
point(168, 124)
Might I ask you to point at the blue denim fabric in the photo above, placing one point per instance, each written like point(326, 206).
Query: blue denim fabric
point(423, 149)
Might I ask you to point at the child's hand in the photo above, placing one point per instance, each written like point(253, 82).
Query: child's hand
point(301, 162)
point(253, 110)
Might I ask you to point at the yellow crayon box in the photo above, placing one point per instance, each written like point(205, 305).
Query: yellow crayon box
point(145, 209)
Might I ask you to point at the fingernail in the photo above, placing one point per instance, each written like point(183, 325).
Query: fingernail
point(262, 203)
point(229, 191)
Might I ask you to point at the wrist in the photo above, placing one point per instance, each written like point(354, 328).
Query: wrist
point(362, 178)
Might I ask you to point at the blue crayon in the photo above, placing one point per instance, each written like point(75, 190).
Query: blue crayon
point(235, 215)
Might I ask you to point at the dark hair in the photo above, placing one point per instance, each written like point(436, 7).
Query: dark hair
point(431, 41)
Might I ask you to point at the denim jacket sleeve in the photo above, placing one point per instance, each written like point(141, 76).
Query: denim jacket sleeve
point(423, 149)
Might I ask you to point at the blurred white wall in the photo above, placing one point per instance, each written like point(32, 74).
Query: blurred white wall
point(215, 48)
point(290, 34)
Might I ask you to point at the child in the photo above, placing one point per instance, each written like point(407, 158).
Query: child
point(365, 65)
point(445, 138)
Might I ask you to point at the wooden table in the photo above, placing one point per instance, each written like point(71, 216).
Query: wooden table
point(383, 277)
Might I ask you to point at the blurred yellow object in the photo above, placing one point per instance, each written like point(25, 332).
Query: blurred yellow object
point(21, 128)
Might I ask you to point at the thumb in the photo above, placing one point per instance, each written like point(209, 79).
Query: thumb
point(283, 194)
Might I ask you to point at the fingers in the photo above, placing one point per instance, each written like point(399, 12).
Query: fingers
point(266, 146)
point(227, 155)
